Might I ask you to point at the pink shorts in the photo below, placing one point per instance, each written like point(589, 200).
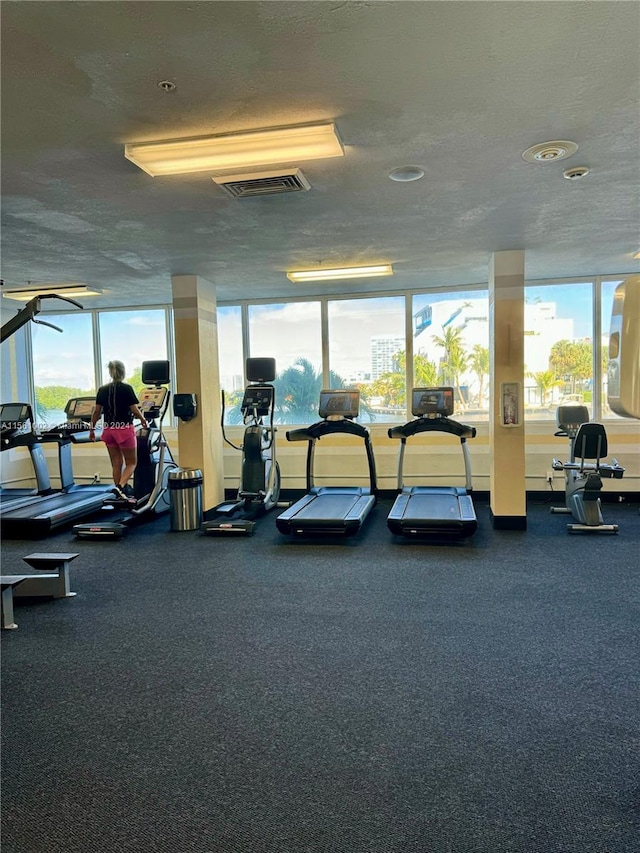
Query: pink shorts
point(122, 437)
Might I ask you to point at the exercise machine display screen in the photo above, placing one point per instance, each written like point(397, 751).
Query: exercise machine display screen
point(14, 413)
point(344, 404)
point(257, 399)
point(80, 408)
point(151, 399)
point(432, 401)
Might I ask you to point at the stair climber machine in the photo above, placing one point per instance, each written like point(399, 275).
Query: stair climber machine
point(331, 509)
point(444, 512)
point(584, 471)
point(259, 488)
point(155, 462)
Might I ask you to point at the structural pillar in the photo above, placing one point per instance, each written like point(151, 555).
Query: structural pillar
point(506, 420)
point(197, 372)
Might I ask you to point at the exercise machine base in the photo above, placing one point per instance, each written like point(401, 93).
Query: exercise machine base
point(103, 530)
point(242, 526)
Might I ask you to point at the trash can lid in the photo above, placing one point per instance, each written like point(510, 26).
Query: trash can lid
point(185, 474)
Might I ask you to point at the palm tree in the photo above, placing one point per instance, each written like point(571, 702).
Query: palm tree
point(391, 386)
point(480, 363)
point(455, 359)
point(545, 380)
point(297, 391)
point(425, 372)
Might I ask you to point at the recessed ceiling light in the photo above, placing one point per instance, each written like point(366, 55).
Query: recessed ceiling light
point(344, 272)
point(550, 152)
point(406, 173)
point(576, 172)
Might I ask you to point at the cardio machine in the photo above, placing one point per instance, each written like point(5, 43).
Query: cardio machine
point(154, 462)
point(584, 471)
point(259, 488)
point(331, 509)
point(437, 511)
point(17, 427)
point(44, 513)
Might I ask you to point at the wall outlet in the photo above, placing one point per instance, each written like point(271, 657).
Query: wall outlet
point(549, 476)
point(96, 477)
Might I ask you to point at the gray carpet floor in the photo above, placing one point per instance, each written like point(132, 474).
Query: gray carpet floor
point(370, 695)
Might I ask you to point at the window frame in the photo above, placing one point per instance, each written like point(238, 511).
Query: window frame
point(595, 281)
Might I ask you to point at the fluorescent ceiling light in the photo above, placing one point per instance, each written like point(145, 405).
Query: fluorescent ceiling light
point(346, 272)
point(233, 151)
point(637, 255)
point(71, 290)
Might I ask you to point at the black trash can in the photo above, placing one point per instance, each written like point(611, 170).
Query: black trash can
point(185, 498)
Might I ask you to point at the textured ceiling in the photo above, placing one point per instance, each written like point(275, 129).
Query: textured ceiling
point(458, 88)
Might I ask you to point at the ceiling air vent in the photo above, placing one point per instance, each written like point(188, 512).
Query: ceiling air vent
point(263, 183)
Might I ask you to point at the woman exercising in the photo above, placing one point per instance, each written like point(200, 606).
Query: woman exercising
point(119, 403)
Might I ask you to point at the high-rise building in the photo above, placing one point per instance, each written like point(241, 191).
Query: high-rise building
point(383, 350)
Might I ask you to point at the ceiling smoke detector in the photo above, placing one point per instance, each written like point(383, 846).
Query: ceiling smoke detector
point(550, 152)
point(576, 173)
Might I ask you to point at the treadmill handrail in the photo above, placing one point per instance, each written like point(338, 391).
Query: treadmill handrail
point(420, 425)
point(316, 431)
point(432, 425)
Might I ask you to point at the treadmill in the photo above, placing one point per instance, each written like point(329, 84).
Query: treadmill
point(331, 509)
point(436, 511)
point(40, 515)
point(17, 427)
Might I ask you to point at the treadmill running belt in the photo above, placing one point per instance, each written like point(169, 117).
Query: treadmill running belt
point(326, 507)
point(341, 511)
point(446, 508)
point(443, 511)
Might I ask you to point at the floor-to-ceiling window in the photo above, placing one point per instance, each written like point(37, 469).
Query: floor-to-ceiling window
point(230, 358)
point(558, 348)
point(290, 332)
point(132, 337)
point(451, 346)
point(367, 350)
point(63, 365)
point(365, 347)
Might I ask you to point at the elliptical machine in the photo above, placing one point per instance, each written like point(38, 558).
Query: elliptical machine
point(155, 462)
point(583, 479)
point(260, 478)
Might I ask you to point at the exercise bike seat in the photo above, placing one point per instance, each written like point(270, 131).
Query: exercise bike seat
point(591, 443)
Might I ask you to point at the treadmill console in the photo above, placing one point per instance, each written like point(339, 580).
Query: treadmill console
point(339, 404)
point(432, 401)
point(80, 409)
point(258, 400)
point(14, 418)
